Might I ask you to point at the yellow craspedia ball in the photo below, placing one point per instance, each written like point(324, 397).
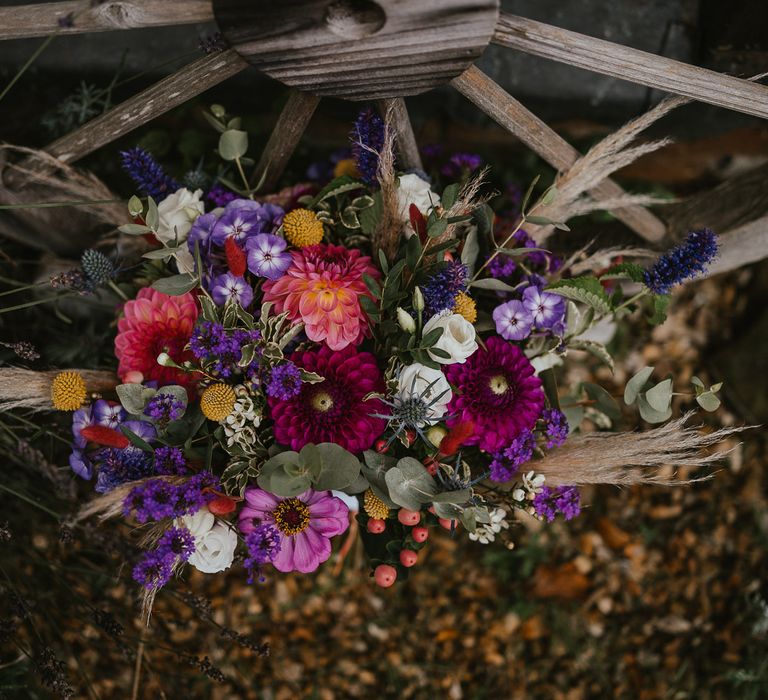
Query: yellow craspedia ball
point(346, 166)
point(465, 306)
point(302, 228)
point(68, 391)
point(217, 402)
point(374, 507)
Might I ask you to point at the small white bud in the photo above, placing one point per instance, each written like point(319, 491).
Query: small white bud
point(406, 320)
point(518, 495)
point(418, 300)
point(165, 360)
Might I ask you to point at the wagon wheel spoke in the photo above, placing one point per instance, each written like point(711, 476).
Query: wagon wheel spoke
point(80, 16)
point(285, 137)
point(631, 64)
point(509, 113)
point(407, 147)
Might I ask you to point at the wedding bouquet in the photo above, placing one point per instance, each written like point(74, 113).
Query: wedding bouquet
point(365, 356)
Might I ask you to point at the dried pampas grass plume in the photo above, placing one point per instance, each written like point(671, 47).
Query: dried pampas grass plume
point(624, 459)
point(25, 388)
point(388, 231)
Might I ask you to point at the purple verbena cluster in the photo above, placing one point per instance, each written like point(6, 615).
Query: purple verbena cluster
point(507, 462)
point(442, 288)
point(561, 500)
point(220, 349)
point(262, 543)
point(284, 382)
point(683, 262)
point(148, 174)
point(158, 499)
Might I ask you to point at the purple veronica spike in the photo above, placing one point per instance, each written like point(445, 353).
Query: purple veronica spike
point(513, 320)
point(228, 286)
point(267, 256)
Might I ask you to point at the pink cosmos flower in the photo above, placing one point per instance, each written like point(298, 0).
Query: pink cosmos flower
point(322, 288)
point(305, 525)
point(152, 323)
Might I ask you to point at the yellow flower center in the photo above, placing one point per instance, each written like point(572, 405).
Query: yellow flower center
point(217, 402)
point(291, 516)
point(322, 401)
point(302, 228)
point(465, 306)
point(498, 384)
point(374, 506)
point(68, 391)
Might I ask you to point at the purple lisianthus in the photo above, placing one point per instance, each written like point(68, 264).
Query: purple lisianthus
point(546, 309)
point(267, 256)
point(228, 286)
point(513, 321)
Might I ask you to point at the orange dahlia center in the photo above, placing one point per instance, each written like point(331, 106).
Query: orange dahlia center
point(291, 516)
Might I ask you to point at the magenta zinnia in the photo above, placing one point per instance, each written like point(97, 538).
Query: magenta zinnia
point(322, 289)
point(332, 410)
point(497, 390)
point(304, 523)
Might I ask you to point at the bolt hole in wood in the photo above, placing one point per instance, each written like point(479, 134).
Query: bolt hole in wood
point(355, 19)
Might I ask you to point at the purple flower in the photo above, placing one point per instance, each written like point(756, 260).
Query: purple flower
point(555, 427)
point(213, 345)
point(228, 286)
point(683, 262)
point(148, 176)
point(110, 415)
point(153, 571)
point(507, 462)
point(235, 223)
point(267, 256)
point(176, 542)
point(146, 431)
point(461, 165)
point(164, 408)
point(81, 464)
point(513, 320)
point(170, 461)
point(562, 500)
point(201, 232)
point(367, 141)
point(263, 544)
point(81, 418)
point(158, 499)
point(502, 267)
point(443, 287)
point(546, 309)
point(118, 467)
point(284, 382)
point(219, 195)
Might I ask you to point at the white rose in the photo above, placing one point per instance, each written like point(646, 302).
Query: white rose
point(418, 381)
point(411, 189)
point(215, 542)
point(458, 338)
point(177, 213)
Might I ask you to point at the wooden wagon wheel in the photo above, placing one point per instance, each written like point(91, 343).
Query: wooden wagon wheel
point(365, 50)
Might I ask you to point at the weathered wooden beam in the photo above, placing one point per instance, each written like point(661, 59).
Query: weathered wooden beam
point(80, 16)
point(284, 138)
point(161, 97)
point(631, 64)
point(407, 147)
point(741, 246)
point(540, 138)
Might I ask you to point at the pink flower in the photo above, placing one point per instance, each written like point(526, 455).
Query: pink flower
point(322, 288)
point(332, 410)
point(498, 392)
point(152, 323)
point(305, 525)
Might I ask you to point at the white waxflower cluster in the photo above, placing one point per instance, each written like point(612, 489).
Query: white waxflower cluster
point(485, 533)
point(531, 484)
point(240, 425)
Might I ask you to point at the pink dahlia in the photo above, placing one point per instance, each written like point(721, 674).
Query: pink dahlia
point(152, 323)
point(305, 525)
point(497, 391)
point(332, 410)
point(322, 288)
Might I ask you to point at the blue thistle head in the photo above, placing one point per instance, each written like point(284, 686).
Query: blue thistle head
point(683, 262)
point(98, 267)
point(367, 141)
point(443, 287)
point(148, 174)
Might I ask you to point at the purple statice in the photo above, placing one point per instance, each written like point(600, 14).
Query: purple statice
point(683, 262)
point(170, 461)
point(546, 309)
point(147, 174)
point(159, 499)
point(555, 427)
point(262, 543)
point(284, 382)
point(164, 408)
point(267, 256)
point(221, 349)
point(153, 570)
point(442, 288)
point(561, 500)
point(367, 141)
point(118, 467)
point(219, 195)
point(461, 165)
point(507, 462)
point(513, 321)
point(176, 543)
point(228, 287)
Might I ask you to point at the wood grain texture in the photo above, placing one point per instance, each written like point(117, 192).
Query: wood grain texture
point(540, 138)
point(741, 246)
point(186, 83)
point(80, 16)
point(405, 140)
point(631, 64)
point(285, 137)
point(390, 48)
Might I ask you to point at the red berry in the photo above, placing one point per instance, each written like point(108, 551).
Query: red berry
point(221, 505)
point(420, 534)
point(381, 446)
point(376, 526)
point(408, 558)
point(408, 517)
point(385, 575)
point(410, 436)
point(448, 524)
point(431, 464)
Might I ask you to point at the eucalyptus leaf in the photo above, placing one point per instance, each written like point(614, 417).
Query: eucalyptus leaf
point(135, 206)
point(152, 218)
point(650, 414)
point(449, 511)
point(233, 144)
point(339, 468)
point(133, 397)
point(458, 497)
point(175, 285)
point(134, 229)
point(493, 284)
point(659, 397)
point(636, 384)
point(708, 401)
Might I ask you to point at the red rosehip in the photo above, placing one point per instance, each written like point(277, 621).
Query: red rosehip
point(385, 575)
point(408, 517)
point(408, 558)
point(221, 505)
point(375, 526)
point(381, 446)
point(420, 534)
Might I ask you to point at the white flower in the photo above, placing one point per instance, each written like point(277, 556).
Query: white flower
point(411, 189)
point(533, 483)
point(240, 425)
point(418, 381)
point(458, 338)
point(177, 213)
point(215, 542)
point(486, 532)
point(350, 501)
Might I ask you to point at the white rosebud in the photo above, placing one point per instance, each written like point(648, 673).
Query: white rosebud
point(458, 338)
point(418, 381)
point(177, 212)
point(406, 320)
point(215, 542)
point(411, 189)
